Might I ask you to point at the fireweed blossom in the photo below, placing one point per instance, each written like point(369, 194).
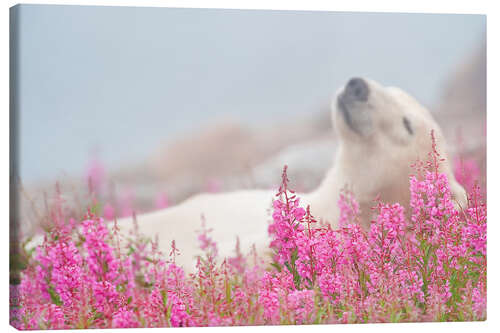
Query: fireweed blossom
point(95, 176)
point(425, 262)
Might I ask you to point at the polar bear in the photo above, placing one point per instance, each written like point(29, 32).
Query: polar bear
point(381, 131)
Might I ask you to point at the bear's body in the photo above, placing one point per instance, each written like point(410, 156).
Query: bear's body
point(381, 131)
point(243, 214)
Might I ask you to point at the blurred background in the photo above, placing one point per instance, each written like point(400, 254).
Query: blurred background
point(156, 104)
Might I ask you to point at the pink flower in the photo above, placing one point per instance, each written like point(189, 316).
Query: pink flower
point(108, 212)
point(299, 213)
point(418, 263)
point(95, 175)
point(126, 203)
point(466, 171)
point(349, 209)
point(124, 318)
point(161, 201)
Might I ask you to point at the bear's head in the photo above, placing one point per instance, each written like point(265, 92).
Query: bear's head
point(382, 132)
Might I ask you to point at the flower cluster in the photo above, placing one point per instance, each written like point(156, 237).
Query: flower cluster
point(425, 262)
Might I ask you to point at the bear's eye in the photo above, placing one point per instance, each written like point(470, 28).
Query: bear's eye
point(407, 124)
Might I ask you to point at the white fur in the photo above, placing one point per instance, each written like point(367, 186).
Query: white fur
point(377, 163)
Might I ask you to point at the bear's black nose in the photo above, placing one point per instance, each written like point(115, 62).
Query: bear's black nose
point(357, 89)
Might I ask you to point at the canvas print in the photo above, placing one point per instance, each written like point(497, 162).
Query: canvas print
point(219, 167)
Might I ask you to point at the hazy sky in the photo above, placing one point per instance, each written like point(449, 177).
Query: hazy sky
point(123, 80)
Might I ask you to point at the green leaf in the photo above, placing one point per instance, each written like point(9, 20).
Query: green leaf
point(131, 250)
point(164, 296)
point(228, 291)
point(396, 317)
point(276, 265)
point(54, 296)
point(96, 209)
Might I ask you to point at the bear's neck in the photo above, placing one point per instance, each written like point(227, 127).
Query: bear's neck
point(323, 200)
